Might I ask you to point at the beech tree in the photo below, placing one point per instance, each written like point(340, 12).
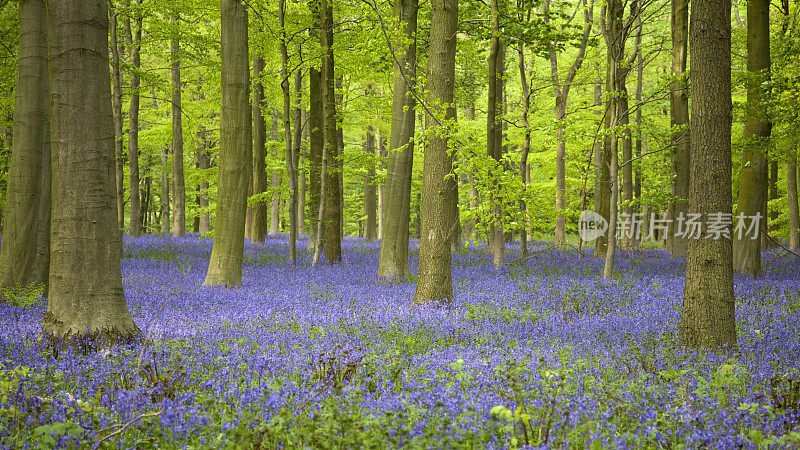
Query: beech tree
point(708, 316)
point(393, 260)
point(435, 279)
point(225, 266)
point(178, 181)
point(25, 250)
point(86, 243)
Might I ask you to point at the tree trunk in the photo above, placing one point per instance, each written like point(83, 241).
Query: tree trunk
point(301, 174)
point(396, 211)
point(791, 185)
point(297, 196)
point(381, 193)
point(287, 133)
point(754, 176)
point(370, 195)
point(434, 280)
point(204, 227)
point(134, 37)
point(611, 247)
point(275, 206)
point(627, 170)
point(679, 120)
point(773, 195)
point(165, 183)
point(526, 149)
point(85, 275)
point(637, 183)
point(178, 183)
point(225, 266)
point(494, 135)
point(119, 158)
point(259, 215)
point(708, 315)
point(25, 253)
point(333, 211)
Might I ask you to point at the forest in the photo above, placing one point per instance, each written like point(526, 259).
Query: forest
point(399, 223)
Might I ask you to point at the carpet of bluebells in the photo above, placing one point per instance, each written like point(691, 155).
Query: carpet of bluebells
point(542, 353)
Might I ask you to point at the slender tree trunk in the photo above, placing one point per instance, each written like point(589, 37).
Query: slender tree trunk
point(773, 195)
point(275, 206)
point(611, 247)
point(225, 266)
point(287, 133)
point(370, 195)
point(119, 158)
point(434, 280)
point(25, 253)
point(301, 174)
point(627, 170)
point(259, 214)
point(708, 316)
point(85, 274)
point(178, 183)
point(203, 163)
point(165, 183)
point(679, 119)
point(396, 211)
point(297, 198)
point(637, 183)
point(791, 185)
point(381, 193)
point(526, 147)
point(134, 37)
point(754, 174)
point(333, 211)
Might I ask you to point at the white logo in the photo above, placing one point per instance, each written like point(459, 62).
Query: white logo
point(591, 225)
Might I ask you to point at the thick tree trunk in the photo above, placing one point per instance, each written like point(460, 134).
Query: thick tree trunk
point(708, 315)
point(178, 183)
point(794, 216)
point(494, 134)
point(611, 247)
point(434, 280)
point(316, 142)
point(119, 158)
point(396, 211)
point(259, 213)
point(25, 250)
point(85, 274)
point(754, 176)
point(333, 210)
point(370, 195)
point(134, 37)
point(679, 119)
point(225, 266)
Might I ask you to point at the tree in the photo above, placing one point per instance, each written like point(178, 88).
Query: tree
point(259, 221)
point(85, 272)
point(754, 176)
point(225, 266)
point(561, 92)
point(708, 315)
point(370, 191)
point(178, 184)
point(25, 253)
point(393, 260)
point(333, 206)
point(287, 132)
point(116, 76)
point(679, 119)
point(494, 132)
point(434, 279)
point(133, 36)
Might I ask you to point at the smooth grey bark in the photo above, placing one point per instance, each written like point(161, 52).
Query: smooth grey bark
point(133, 36)
point(333, 206)
point(708, 316)
point(259, 214)
point(370, 193)
point(25, 253)
point(434, 278)
point(116, 76)
point(526, 148)
point(679, 120)
point(637, 183)
point(396, 210)
point(86, 243)
point(754, 174)
point(291, 163)
point(297, 195)
point(203, 162)
point(225, 265)
point(178, 181)
point(381, 187)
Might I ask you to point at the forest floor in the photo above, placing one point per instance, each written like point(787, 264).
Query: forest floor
point(541, 353)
